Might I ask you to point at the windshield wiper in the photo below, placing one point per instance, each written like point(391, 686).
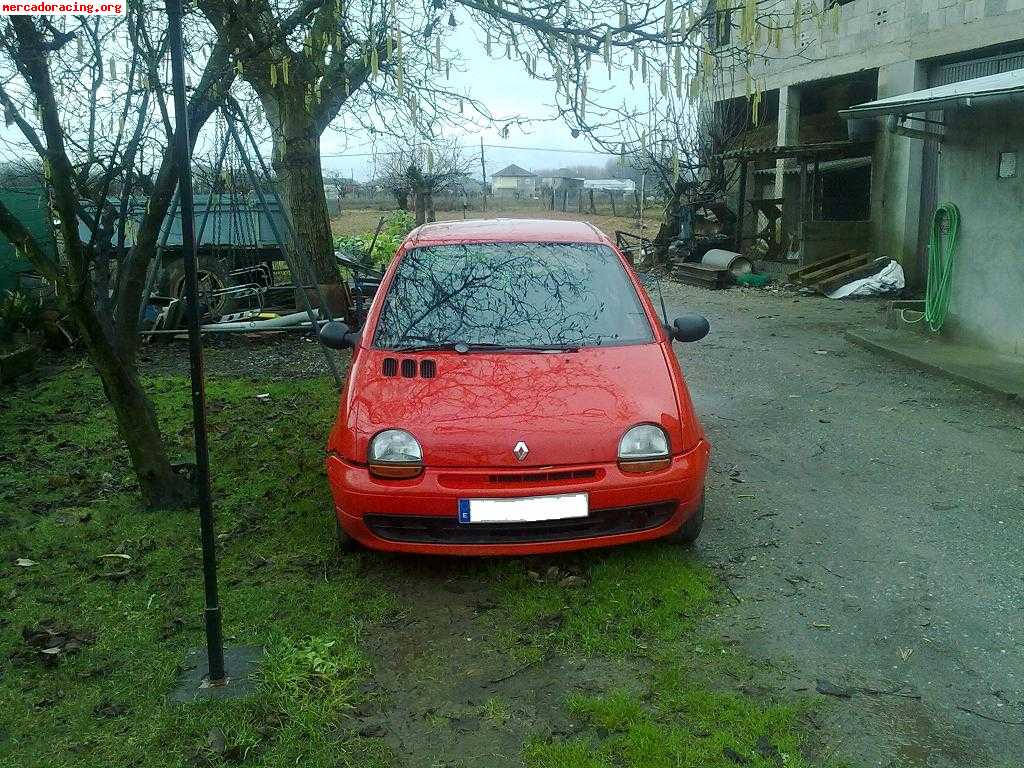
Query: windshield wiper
point(463, 347)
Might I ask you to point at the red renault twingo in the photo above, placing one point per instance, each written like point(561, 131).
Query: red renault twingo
point(512, 391)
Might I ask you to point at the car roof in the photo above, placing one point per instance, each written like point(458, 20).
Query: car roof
point(506, 231)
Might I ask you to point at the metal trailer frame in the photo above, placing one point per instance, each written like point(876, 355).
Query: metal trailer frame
point(294, 256)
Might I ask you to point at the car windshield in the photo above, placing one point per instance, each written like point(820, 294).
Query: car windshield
point(514, 295)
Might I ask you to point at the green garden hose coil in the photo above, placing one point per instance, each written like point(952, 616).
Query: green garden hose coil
point(942, 249)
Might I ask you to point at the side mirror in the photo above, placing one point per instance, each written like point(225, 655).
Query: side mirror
point(690, 328)
point(337, 335)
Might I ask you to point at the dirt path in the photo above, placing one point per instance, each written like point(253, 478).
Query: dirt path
point(870, 519)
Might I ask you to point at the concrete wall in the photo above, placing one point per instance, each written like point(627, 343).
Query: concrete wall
point(896, 178)
point(877, 33)
point(823, 239)
point(987, 305)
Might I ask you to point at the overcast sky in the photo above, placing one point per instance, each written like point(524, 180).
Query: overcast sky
point(502, 85)
point(507, 90)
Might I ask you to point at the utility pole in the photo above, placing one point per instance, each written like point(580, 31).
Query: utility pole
point(483, 170)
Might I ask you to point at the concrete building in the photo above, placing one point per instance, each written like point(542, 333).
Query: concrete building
point(513, 181)
point(879, 193)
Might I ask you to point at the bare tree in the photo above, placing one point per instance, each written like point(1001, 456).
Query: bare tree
point(420, 172)
point(307, 60)
point(680, 62)
point(88, 99)
point(375, 60)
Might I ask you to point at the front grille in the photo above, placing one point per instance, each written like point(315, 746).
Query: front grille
point(428, 369)
point(420, 529)
point(390, 367)
point(523, 478)
point(409, 368)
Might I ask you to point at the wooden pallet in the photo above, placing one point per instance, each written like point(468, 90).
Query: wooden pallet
point(703, 275)
point(831, 273)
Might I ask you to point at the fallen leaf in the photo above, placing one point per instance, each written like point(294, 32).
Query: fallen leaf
point(117, 555)
point(24, 562)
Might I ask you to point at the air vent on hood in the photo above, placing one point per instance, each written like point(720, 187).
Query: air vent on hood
point(409, 368)
point(390, 367)
point(428, 369)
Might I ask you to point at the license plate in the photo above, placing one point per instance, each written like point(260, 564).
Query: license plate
point(527, 510)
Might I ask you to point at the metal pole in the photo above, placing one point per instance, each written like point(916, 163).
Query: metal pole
point(183, 159)
point(483, 171)
point(741, 205)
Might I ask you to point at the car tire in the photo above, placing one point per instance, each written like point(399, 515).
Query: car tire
point(345, 542)
point(690, 530)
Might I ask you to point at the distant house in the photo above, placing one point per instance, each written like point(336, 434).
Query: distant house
point(513, 181)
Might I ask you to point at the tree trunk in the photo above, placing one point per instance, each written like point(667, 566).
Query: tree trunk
point(428, 203)
point(421, 207)
point(136, 420)
point(297, 164)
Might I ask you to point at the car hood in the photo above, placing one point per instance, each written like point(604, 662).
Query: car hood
point(568, 407)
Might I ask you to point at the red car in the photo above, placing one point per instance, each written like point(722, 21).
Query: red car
point(513, 391)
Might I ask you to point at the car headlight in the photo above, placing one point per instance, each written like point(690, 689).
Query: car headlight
point(394, 453)
point(644, 448)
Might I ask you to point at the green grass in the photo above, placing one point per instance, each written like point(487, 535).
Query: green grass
point(68, 498)
point(678, 722)
point(634, 599)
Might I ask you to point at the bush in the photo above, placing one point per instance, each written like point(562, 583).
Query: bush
point(396, 227)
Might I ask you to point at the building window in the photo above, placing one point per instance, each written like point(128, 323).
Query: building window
point(1007, 165)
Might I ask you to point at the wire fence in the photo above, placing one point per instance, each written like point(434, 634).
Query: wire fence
point(582, 201)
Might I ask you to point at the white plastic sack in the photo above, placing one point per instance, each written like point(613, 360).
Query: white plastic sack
point(888, 280)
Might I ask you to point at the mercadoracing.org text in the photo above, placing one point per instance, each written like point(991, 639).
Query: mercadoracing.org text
point(42, 8)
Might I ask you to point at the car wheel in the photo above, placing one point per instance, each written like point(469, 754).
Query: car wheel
point(345, 542)
point(690, 530)
point(213, 276)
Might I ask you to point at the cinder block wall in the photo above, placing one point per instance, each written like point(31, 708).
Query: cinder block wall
point(987, 300)
point(877, 33)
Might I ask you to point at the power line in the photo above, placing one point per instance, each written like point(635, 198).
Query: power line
point(488, 146)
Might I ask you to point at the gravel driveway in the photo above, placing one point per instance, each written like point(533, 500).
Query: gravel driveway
point(867, 517)
point(869, 520)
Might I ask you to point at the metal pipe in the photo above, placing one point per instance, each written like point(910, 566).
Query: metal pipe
point(183, 160)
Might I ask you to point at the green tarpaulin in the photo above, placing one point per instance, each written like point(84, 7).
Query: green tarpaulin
point(30, 206)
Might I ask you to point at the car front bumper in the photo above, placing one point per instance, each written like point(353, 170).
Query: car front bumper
point(421, 514)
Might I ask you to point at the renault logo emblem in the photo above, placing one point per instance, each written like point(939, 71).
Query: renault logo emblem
point(520, 451)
